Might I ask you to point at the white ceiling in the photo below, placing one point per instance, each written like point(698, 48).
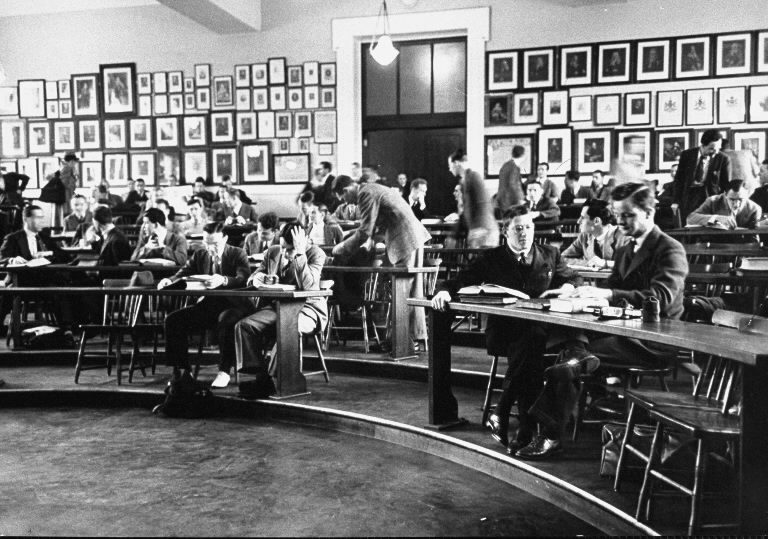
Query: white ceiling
point(12, 8)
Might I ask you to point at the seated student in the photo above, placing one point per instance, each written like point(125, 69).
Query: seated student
point(542, 208)
point(228, 182)
point(106, 239)
point(600, 188)
point(158, 241)
point(571, 191)
point(549, 189)
point(199, 191)
point(293, 262)
point(265, 235)
point(347, 211)
point(228, 268)
point(170, 214)
point(305, 202)
point(321, 230)
point(760, 194)
point(197, 218)
point(218, 210)
point(417, 199)
point(665, 193)
point(80, 214)
point(539, 271)
point(598, 236)
point(649, 265)
point(236, 211)
point(28, 243)
point(727, 210)
point(104, 197)
point(138, 195)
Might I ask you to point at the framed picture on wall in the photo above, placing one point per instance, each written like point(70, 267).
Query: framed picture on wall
point(635, 143)
point(145, 105)
point(283, 127)
point(88, 135)
point(259, 75)
point(195, 133)
point(189, 103)
point(311, 73)
point(608, 109)
point(115, 137)
point(65, 89)
point(51, 90)
point(732, 105)
point(555, 146)
point(223, 92)
point(168, 169)
point(86, 95)
point(593, 150)
point(669, 108)
point(325, 149)
point(283, 145)
point(39, 138)
point(224, 162)
point(245, 126)
point(116, 168)
point(195, 165)
point(311, 97)
point(242, 76)
point(554, 108)
point(52, 110)
point(222, 127)
point(118, 84)
point(613, 61)
point(758, 104)
point(762, 51)
point(669, 146)
point(175, 82)
point(501, 70)
point(699, 107)
point(580, 109)
point(13, 138)
point(32, 98)
point(652, 60)
point(91, 172)
point(63, 136)
point(160, 104)
point(539, 68)
point(328, 74)
point(167, 132)
point(328, 98)
point(498, 109)
point(189, 85)
point(256, 161)
point(243, 99)
point(276, 70)
point(176, 104)
point(9, 101)
point(291, 168)
point(498, 150)
point(159, 82)
point(65, 108)
point(576, 65)
point(733, 54)
point(202, 74)
point(325, 126)
point(266, 121)
point(637, 108)
point(303, 124)
point(143, 166)
point(277, 97)
point(296, 97)
point(526, 108)
point(144, 83)
point(203, 98)
point(692, 57)
point(752, 140)
point(260, 99)
point(140, 133)
point(295, 76)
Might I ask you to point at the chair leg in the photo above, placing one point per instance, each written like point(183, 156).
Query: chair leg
point(118, 359)
point(321, 356)
point(653, 458)
point(578, 420)
point(200, 357)
point(489, 390)
point(80, 354)
point(628, 432)
point(365, 328)
point(663, 382)
point(698, 491)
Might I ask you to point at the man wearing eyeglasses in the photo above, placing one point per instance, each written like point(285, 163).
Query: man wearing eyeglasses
point(729, 210)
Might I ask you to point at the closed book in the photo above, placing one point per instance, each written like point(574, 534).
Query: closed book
point(535, 303)
point(487, 299)
point(575, 305)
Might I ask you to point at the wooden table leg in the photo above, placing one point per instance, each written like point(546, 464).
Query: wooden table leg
point(290, 380)
point(443, 406)
point(15, 322)
point(754, 440)
point(402, 347)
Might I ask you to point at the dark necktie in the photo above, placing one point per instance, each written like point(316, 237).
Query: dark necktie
point(698, 175)
point(597, 249)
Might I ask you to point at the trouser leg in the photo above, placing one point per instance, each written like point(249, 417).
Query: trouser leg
point(225, 332)
point(179, 324)
point(251, 335)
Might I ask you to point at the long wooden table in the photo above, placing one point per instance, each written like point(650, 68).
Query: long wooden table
point(749, 349)
point(690, 234)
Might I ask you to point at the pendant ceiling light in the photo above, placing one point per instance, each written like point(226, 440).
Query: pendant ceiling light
point(382, 49)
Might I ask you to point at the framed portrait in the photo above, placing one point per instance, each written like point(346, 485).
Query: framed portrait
point(160, 104)
point(699, 107)
point(256, 161)
point(303, 145)
point(636, 143)
point(116, 168)
point(176, 104)
point(593, 150)
point(243, 98)
point(143, 166)
point(608, 109)
point(732, 105)
point(669, 146)
point(168, 167)
point(637, 108)
point(669, 108)
point(189, 103)
point(202, 75)
point(758, 104)
point(283, 127)
point(276, 70)
point(576, 65)
point(224, 163)
point(189, 85)
point(45, 167)
point(88, 135)
point(539, 68)
point(39, 138)
point(652, 60)
point(13, 138)
point(328, 74)
point(91, 172)
point(327, 98)
point(733, 54)
point(526, 108)
point(296, 97)
point(9, 101)
point(195, 165)
point(144, 83)
point(145, 105)
point(311, 97)
point(118, 87)
point(140, 133)
point(245, 126)
point(277, 97)
point(613, 63)
point(51, 90)
point(52, 110)
point(291, 168)
point(260, 99)
point(498, 109)
point(195, 132)
point(32, 98)
point(555, 146)
point(762, 51)
point(283, 145)
point(203, 98)
point(295, 76)
point(752, 140)
point(222, 127)
point(114, 134)
point(266, 127)
point(63, 135)
point(501, 70)
point(259, 75)
point(325, 126)
point(311, 73)
point(175, 82)
point(159, 82)
point(29, 167)
point(692, 57)
point(498, 150)
point(242, 76)
point(554, 108)
point(223, 93)
point(580, 109)
point(303, 124)
point(325, 149)
point(65, 108)
point(167, 132)
point(65, 89)
point(86, 95)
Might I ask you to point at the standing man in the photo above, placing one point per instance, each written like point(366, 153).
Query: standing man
point(327, 178)
point(702, 172)
point(510, 193)
point(482, 229)
point(68, 175)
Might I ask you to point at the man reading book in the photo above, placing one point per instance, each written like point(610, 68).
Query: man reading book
point(538, 271)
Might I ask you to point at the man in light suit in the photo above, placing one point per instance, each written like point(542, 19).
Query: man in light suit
point(158, 241)
point(266, 235)
point(702, 172)
point(728, 210)
point(236, 211)
point(598, 238)
point(482, 229)
point(510, 191)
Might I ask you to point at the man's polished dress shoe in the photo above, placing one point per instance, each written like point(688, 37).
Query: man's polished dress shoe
point(520, 441)
point(540, 448)
point(498, 431)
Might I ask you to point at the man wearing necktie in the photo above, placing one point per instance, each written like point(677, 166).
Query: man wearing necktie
point(598, 236)
point(265, 235)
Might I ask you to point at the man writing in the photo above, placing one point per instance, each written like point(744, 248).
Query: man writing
point(265, 235)
point(728, 210)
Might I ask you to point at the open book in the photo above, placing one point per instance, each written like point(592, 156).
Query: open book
point(489, 289)
point(277, 286)
point(34, 263)
point(157, 261)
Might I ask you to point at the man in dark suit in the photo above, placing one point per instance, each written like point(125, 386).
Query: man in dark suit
point(649, 265)
point(158, 241)
point(108, 241)
point(266, 235)
point(542, 208)
point(476, 210)
point(28, 243)
point(571, 191)
point(236, 211)
point(228, 183)
point(760, 195)
point(329, 198)
point(702, 172)
point(728, 210)
point(228, 268)
point(539, 271)
point(80, 214)
point(417, 199)
point(510, 193)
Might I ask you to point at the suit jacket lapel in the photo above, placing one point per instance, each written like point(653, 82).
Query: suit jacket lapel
point(645, 250)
